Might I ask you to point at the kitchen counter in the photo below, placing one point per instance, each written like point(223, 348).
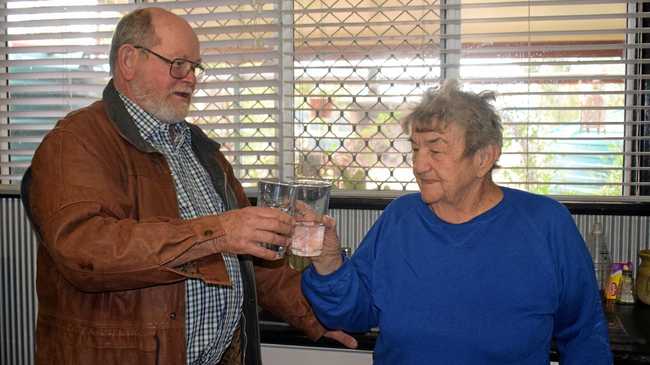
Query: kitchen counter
point(629, 332)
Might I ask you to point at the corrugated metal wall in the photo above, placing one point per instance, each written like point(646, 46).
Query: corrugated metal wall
point(17, 279)
point(18, 251)
point(626, 235)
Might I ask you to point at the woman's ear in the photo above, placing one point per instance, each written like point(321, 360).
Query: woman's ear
point(485, 159)
point(127, 58)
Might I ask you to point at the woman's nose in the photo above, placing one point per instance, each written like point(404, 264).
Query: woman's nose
point(420, 163)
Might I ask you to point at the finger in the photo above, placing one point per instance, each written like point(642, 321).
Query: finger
point(301, 206)
point(343, 338)
point(305, 212)
point(264, 253)
point(329, 222)
point(272, 238)
point(271, 225)
point(271, 213)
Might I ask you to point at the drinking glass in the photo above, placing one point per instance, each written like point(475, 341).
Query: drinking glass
point(312, 202)
point(276, 194)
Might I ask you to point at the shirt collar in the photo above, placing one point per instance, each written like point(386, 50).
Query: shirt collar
point(153, 130)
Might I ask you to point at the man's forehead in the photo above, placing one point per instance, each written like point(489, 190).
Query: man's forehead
point(175, 36)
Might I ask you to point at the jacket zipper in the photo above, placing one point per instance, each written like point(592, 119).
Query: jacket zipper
point(229, 204)
point(244, 338)
point(242, 325)
point(157, 349)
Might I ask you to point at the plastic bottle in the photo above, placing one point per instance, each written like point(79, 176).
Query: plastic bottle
point(597, 245)
point(626, 294)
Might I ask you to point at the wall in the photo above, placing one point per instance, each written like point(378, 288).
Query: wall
point(17, 279)
point(627, 234)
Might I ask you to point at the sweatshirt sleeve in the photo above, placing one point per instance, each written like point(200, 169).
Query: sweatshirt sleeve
point(344, 299)
point(580, 326)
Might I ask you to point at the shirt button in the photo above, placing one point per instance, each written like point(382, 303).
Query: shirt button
point(172, 315)
point(208, 233)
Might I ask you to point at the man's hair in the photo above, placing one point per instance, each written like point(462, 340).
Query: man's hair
point(134, 28)
point(447, 105)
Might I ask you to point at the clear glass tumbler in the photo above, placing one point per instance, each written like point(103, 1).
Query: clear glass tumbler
point(276, 194)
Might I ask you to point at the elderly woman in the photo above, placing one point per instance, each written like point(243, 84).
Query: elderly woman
point(465, 271)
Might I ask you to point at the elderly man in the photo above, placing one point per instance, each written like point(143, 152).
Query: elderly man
point(465, 271)
point(146, 237)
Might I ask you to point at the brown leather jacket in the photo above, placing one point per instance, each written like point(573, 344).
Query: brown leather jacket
point(114, 256)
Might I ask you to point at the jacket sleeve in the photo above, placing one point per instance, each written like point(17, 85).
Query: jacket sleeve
point(278, 289)
point(86, 220)
point(580, 327)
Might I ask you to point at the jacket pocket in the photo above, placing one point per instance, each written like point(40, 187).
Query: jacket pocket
point(98, 346)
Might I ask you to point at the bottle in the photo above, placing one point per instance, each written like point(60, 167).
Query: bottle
point(600, 254)
point(626, 294)
point(643, 277)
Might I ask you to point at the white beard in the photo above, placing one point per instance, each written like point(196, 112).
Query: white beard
point(155, 105)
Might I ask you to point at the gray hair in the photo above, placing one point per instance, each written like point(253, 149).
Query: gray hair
point(134, 28)
point(447, 105)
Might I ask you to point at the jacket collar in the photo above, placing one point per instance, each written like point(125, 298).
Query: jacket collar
point(121, 118)
point(203, 147)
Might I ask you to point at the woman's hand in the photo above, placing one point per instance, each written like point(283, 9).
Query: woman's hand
point(330, 258)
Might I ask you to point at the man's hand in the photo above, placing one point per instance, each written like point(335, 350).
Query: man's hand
point(330, 258)
point(246, 229)
point(343, 338)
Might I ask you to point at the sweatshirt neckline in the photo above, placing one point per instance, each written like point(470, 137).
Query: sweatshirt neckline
point(483, 217)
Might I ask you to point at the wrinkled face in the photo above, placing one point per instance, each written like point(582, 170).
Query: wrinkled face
point(441, 169)
point(154, 89)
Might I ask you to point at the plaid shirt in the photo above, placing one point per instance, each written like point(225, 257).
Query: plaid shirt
point(213, 312)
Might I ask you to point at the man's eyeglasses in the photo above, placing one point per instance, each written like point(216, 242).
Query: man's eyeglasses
point(179, 68)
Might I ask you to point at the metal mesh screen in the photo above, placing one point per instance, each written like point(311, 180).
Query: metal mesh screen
point(357, 64)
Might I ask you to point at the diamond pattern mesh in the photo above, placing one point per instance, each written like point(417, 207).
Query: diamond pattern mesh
point(357, 66)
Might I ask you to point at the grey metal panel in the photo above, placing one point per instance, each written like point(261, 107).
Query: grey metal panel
point(17, 282)
point(626, 235)
point(353, 224)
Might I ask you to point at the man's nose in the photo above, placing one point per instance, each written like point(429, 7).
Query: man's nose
point(190, 78)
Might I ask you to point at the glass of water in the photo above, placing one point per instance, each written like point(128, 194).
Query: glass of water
point(278, 194)
point(312, 202)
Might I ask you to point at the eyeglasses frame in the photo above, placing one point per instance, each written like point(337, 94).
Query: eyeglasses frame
point(195, 65)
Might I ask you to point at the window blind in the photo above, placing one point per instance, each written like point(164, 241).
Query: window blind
point(298, 88)
point(570, 83)
point(55, 60)
point(568, 74)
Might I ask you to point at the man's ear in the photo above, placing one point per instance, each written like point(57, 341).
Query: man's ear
point(127, 57)
point(485, 159)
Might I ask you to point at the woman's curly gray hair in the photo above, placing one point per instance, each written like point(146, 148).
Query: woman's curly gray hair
point(447, 105)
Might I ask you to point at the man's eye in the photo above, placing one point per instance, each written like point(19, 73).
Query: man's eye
point(178, 64)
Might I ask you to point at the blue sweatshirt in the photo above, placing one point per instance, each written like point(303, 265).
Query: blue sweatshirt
point(494, 290)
